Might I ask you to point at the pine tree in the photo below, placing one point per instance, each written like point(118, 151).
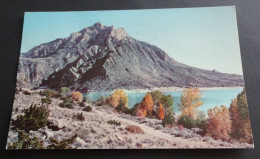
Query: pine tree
point(241, 128)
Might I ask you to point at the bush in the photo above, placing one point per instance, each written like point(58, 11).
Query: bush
point(201, 124)
point(134, 129)
point(26, 142)
point(77, 96)
point(27, 93)
point(80, 117)
point(64, 144)
point(114, 122)
point(187, 122)
point(46, 100)
point(67, 103)
point(50, 93)
point(82, 104)
point(64, 91)
point(168, 119)
point(33, 118)
point(87, 109)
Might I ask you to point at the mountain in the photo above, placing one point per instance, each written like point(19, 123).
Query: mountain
point(103, 58)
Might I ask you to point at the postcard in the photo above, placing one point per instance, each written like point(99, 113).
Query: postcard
point(130, 79)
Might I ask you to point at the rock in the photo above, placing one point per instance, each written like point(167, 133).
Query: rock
point(55, 124)
point(48, 133)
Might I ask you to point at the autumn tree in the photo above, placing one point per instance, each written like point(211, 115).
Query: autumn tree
point(117, 96)
point(146, 105)
point(219, 123)
point(160, 112)
point(241, 127)
point(77, 96)
point(190, 100)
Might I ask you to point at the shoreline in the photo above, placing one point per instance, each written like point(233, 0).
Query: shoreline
point(168, 89)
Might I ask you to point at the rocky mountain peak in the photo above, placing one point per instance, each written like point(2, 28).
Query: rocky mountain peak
point(104, 58)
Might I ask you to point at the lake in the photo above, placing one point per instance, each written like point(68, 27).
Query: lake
point(210, 98)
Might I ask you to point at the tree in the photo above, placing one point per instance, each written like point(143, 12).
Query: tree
point(146, 105)
point(236, 125)
point(77, 96)
point(241, 127)
point(190, 100)
point(117, 96)
point(219, 123)
point(161, 112)
point(34, 118)
point(166, 100)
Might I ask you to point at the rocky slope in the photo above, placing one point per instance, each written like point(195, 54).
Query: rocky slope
point(103, 58)
point(96, 133)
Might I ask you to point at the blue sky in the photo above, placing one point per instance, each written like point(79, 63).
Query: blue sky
point(201, 37)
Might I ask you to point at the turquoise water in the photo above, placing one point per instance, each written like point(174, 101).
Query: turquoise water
point(210, 98)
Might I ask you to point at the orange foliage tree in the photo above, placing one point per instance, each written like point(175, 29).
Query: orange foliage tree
point(161, 112)
point(190, 100)
point(77, 96)
point(219, 124)
point(145, 105)
point(117, 96)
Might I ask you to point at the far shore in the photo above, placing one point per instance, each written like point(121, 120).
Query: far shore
point(169, 89)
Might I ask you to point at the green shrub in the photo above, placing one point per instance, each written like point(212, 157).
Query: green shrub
point(187, 122)
point(80, 117)
point(168, 119)
point(67, 103)
point(33, 118)
point(64, 144)
point(50, 93)
point(82, 104)
point(87, 109)
point(114, 122)
point(201, 124)
point(46, 101)
point(64, 91)
point(26, 142)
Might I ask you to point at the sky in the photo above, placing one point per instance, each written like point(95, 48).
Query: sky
point(201, 37)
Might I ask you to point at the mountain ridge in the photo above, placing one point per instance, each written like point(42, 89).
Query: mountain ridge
point(103, 58)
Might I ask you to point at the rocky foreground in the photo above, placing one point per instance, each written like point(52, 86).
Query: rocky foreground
point(95, 133)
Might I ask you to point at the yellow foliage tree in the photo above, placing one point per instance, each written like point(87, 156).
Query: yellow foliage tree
point(116, 96)
point(190, 100)
point(77, 96)
point(161, 112)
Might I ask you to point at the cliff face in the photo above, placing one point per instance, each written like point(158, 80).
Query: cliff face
point(104, 58)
